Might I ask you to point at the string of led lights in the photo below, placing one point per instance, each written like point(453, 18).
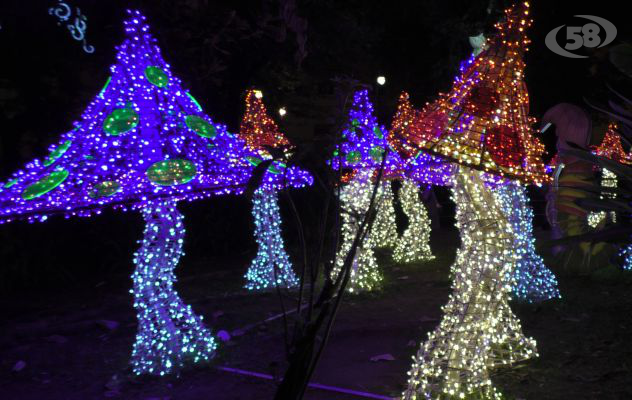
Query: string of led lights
point(414, 245)
point(612, 149)
point(478, 331)
point(384, 228)
point(533, 282)
point(482, 123)
point(355, 199)
point(143, 143)
point(169, 332)
point(271, 266)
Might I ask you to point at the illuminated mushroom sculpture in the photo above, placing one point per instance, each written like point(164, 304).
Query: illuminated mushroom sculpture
point(418, 169)
point(271, 266)
point(482, 126)
point(360, 156)
point(143, 144)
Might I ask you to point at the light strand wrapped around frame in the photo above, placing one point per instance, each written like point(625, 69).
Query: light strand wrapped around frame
point(271, 267)
point(414, 245)
point(478, 331)
point(481, 124)
point(144, 141)
point(384, 229)
point(355, 198)
point(169, 332)
point(533, 281)
point(611, 149)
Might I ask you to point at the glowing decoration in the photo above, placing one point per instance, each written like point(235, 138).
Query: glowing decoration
point(105, 87)
point(365, 144)
point(271, 267)
point(478, 331)
point(381, 80)
point(414, 245)
point(626, 253)
point(77, 28)
point(257, 128)
point(171, 172)
point(483, 121)
point(169, 332)
point(419, 166)
point(611, 149)
point(105, 189)
point(58, 152)
point(384, 230)
point(44, 185)
point(200, 126)
point(355, 198)
point(9, 184)
point(190, 96)
point(282, 111)
point(156, 76)
point(533, 282)
point(120, 121)
point(143, 147)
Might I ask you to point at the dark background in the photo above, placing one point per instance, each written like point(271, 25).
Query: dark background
point(221, 48)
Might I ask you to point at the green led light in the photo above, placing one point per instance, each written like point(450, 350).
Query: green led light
point(376, 153)
point(120, 121)
point(58, 152)
point(105, 189)
point(354, 157)
point(11, 183)
point(355, 122)
point(107, 83)
point(378, 132)
point(276, 168)
point(44, 185)
point(200, 126)
point(194, 101)
point(171, 172)
point(156, 76)
point(254, 160)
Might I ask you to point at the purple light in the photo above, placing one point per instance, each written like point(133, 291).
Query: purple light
point(158, 133)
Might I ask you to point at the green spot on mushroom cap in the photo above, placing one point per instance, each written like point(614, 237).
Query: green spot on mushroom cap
point(354, 157)
point(171, 172)
point(376, 153)
point(254, 160)
point(58, 152)
point(200, 126)
point(120, 121)
point(194, 101)
point(156, 76)
point(11, 183)
point(277, 168)
point(107, 83)
point(44, 185)
point(105, 189)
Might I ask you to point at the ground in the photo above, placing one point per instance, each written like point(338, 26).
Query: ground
point(76, 345)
